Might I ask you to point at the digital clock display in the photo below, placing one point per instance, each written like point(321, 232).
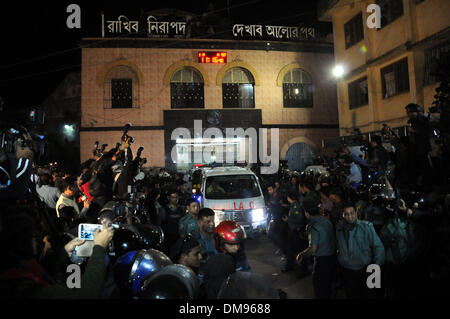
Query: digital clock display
point(212, 57)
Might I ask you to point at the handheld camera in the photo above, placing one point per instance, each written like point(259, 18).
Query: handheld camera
point(87, 231)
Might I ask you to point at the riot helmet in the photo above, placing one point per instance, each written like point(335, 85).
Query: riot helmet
point(151, 236)
point(125, 240)
point(132, 268)
point(171, 282)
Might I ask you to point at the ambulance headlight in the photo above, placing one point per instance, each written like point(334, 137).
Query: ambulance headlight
point(258, 215)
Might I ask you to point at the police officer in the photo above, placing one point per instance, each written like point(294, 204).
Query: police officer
point(306, 187)
point(322, 246)
point(188, 223)
point(296, 241)
point(359, 246)
point(170, 217)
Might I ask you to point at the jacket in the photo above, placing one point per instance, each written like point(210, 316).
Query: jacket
point(363, 247)
point(32, 282)
point(187, 225)
point(296, 217)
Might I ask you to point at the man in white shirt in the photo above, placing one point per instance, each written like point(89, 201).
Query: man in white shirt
point(355, 176)
point(47, 193)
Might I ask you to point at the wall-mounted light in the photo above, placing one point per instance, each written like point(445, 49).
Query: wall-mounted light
point(338, 71)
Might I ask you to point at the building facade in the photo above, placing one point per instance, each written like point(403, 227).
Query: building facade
point(62, 118)
point(161, 84)
point(389, 67)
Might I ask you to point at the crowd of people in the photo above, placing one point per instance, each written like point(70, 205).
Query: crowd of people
point(385, 203)
point(147, 216)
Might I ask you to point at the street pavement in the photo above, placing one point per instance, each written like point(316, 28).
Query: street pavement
point(260, 254)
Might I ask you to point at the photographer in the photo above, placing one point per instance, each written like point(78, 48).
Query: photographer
point(378, 156)
point(399, 155)
point(18, 167)
point(400, 242)
point(419, 146)
point(355, 176)
point(102, 179)
point(21, 274)
point(128, 172)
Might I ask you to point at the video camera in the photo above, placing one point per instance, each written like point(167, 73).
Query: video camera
point(97, 151)
point(23, 134)
point(125, 135)
point(139, 152)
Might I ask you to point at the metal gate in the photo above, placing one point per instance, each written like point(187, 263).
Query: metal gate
point(299, 156)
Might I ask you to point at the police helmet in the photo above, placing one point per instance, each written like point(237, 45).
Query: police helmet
point(125, 240)
point(171, 282)
point(152, 236)
point(132, 268)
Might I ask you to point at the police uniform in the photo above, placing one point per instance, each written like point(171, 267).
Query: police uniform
point(188, 225)
point(322, 235)
point(170, 221)
point(296, 241)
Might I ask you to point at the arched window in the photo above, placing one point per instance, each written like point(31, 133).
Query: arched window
point(297, 89)
point(187, 89)
point(121, 88)
point(238, 87)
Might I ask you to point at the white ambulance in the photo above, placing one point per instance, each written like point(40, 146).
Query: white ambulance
point(234, 193)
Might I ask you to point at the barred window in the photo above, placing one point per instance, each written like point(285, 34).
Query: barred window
point(357, 93)
point(121, 93)
point(238, 89)
point(395, 78)
point(432, 58)
point(121, 88)
point(297, 89)
point(390, 10)
point(187, 89)
point(354, 31)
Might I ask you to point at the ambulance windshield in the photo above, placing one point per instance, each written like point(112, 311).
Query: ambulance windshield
point(232, 187)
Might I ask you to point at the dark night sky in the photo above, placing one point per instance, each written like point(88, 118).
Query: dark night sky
point(32, 30)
